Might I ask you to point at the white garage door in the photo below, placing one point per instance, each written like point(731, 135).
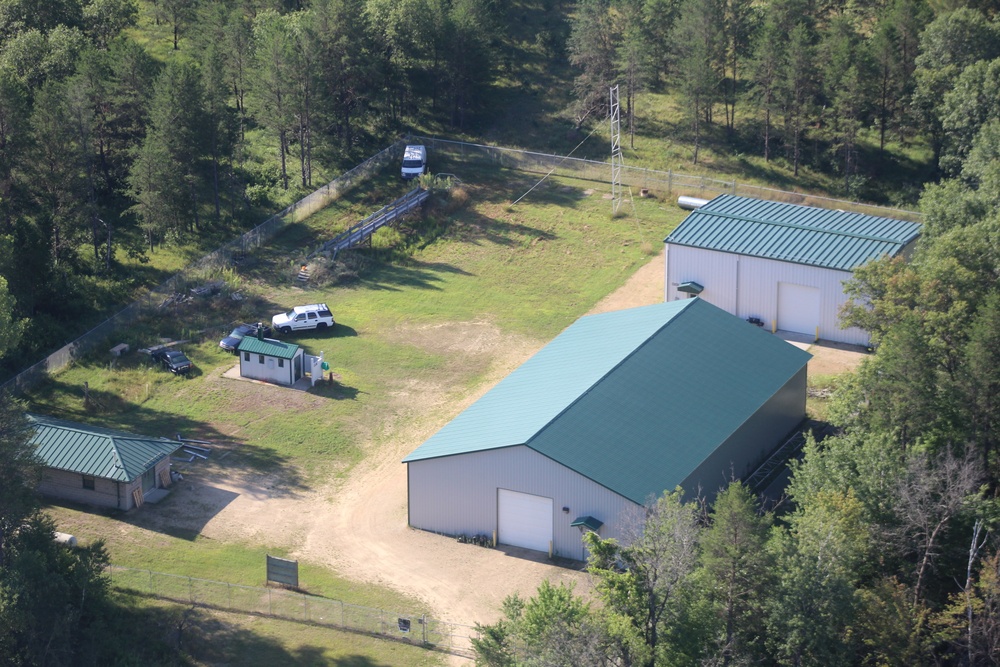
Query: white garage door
point(524, 520)
point(798, 308)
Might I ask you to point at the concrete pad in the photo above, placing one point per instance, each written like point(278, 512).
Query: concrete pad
point(302, 384)
point(156, 495)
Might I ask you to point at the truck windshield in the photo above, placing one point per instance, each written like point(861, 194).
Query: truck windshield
point(412, 163)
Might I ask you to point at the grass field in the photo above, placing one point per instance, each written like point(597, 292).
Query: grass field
point(529, 269)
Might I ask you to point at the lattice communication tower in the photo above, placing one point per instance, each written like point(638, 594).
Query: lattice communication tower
point(616, 152)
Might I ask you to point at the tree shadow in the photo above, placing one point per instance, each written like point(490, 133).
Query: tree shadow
point(333, 389)
point(184, 633)
point(414, 275)
point(196, 498)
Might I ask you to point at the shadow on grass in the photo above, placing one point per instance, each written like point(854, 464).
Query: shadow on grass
point(169, 633)
point(415, 275)
point(334, 390)
point(196, 499)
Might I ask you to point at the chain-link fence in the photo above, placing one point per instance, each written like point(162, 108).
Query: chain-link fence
point(295, 606)
point(666, 183)
point(220, 258)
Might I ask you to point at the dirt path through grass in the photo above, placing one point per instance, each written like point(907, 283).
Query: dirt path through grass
point(358, 526)
point(363, 531)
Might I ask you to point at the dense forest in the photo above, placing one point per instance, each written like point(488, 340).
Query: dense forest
point(113, 147)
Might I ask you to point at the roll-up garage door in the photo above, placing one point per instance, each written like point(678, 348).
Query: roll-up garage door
point(524, 520)
point(798, 308)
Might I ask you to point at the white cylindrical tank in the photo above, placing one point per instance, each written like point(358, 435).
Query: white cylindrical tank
point(691, 203)
point(66, 540)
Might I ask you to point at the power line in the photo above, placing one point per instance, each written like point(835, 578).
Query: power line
point(553, 168)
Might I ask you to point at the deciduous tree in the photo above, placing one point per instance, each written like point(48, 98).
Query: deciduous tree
point(642, 578)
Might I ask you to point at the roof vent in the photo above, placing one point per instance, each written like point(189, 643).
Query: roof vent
point(260, 331)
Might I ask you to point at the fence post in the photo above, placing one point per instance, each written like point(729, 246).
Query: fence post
point(305, 608)
point(190, 591)
point(150, 581)
point(670, 181)
point(269, 602)
point(229, 595)
point(343, 624)
point(423, 629)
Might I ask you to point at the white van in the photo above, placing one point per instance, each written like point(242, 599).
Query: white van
point(414, 162)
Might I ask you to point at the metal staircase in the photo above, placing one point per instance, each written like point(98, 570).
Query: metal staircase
point(387, 214)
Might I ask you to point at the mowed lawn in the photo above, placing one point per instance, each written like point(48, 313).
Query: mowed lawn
point(528, 270)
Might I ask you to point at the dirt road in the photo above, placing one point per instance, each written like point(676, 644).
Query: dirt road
point(358, 527)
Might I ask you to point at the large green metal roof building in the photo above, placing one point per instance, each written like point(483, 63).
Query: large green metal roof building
point(822, 237)
point(618, 408)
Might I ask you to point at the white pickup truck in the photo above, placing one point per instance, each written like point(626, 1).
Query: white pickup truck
point(313, 316)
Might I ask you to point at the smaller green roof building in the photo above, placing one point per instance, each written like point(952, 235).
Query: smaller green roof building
point(617, 409)
point(270, 360)
point(100, 466)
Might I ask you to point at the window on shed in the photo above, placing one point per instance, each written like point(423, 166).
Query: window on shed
point(88, 482)
point(281, 363)
point(246, 356)
point(260, 358)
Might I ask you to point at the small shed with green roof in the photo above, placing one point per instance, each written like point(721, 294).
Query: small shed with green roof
point(617, 409)
point(783, 264)
point(270, 360)
point(99, 466)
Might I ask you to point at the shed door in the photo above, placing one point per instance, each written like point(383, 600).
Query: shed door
point(149, 480)
point(798, 308)
point(524, 520)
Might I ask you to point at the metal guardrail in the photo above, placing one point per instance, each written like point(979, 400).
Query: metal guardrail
point(384, 216)
point(293, 605)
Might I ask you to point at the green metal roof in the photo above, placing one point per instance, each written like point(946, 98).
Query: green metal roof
point(634, 400)
point(518, 407)
point(588, 522)
point(691, 287)
point(99, 452)
point(270, 347)
point(801, 234)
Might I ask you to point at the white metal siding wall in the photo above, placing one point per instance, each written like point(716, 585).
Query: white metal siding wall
point(261, 371)
point(746, 449)
point(715, 271)
point(756, 292)
point(458, 495)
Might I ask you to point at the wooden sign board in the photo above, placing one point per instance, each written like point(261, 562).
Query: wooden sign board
point(283, 571)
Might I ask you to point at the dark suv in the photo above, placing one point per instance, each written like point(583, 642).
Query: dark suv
point(232, 341)
point(174, 361)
